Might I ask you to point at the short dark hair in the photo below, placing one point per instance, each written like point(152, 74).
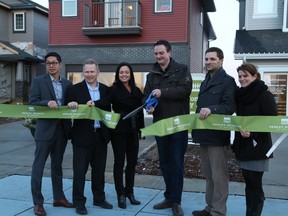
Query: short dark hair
point(55, 55)
point(219, 52)
point(165, 43)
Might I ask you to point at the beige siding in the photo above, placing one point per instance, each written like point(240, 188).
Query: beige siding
point(263, 23)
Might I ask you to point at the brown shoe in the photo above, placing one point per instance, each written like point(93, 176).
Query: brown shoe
point(39, 210)
point(63, 203)
point(177, 209)
point(163, 205)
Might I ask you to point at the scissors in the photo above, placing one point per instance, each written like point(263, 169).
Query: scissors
point(151, 101)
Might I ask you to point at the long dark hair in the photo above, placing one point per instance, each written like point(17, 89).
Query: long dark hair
point(131, 82)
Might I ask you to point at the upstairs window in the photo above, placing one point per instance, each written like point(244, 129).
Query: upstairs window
point(69, 8)
point(19, 24)
point(265, 10)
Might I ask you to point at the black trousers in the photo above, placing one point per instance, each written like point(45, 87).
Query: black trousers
point(253, 192)
point(125, 146)
point(95, 156)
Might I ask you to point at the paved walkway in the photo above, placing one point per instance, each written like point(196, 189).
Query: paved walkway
point(16, 156)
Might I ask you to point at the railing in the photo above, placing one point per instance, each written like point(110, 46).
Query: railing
point(112, 14)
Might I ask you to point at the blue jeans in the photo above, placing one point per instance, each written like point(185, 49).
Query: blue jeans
point(171, 150)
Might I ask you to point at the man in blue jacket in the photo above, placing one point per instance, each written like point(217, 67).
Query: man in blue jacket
point(216, 96)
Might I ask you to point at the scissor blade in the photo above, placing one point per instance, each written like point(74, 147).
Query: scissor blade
point(134, 112)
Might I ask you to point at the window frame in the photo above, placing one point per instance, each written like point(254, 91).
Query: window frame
point(70, 13)
point(168, 10)
point(262, 15)
point(15, 29)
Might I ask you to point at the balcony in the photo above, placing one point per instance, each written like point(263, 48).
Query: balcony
point(112, 18)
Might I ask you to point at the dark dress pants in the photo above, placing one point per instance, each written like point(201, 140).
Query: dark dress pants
point(171, 150)
point(125, 145)
point(96, 156)
point(56, 148)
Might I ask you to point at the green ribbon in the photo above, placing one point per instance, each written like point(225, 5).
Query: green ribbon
point(160, 128)
point(217, 122)
point(64, 112)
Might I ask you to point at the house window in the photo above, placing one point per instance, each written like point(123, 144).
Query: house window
point(69, 8)
point(19, 22)
point(267, 10)
point(162, 6)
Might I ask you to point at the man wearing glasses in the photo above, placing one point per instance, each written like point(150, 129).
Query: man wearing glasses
point(51, 135)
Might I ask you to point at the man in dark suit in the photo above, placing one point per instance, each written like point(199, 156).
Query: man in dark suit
point(51, 135)
point(89, 138)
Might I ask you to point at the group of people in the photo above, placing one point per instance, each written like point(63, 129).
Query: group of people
point(171, 84)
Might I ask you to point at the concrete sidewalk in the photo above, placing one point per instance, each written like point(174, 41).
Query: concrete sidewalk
point(16, 157)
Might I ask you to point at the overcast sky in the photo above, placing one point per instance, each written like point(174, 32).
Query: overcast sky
point(225, 22)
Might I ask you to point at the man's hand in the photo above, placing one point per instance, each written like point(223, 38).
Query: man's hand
point(150, 110)
point(156, 93)
point(53, 104)
point(204, 113)
point(90, 103)
point(73, 105)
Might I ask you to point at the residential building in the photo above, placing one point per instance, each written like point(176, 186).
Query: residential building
point(113, 31)
point(262, 40)
point(23, 43)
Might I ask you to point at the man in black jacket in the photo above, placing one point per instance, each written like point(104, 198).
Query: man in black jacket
point(216, 96)
point(171, 83)
point(89, 138)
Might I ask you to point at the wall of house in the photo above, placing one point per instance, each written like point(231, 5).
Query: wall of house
point(4, 19)
point(172, 27)
point(41, 29)
point(263, 23)
point(23, 36)
point(196, 37)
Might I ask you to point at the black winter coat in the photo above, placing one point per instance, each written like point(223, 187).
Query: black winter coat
point(123, 102)
point(254, 100)
point(175, 84)
point(218, 96)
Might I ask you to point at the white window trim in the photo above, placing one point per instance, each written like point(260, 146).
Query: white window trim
point(285, 22)
point(257, 15)
point(14, 22)
point(71, 13)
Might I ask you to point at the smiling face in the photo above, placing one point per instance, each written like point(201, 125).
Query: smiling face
point(90, 73)
point(124, 74)
point(162, 56)
point(245, 78)
point(212, 62)
point(53, 66)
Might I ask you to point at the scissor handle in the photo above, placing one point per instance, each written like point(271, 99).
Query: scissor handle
point(151, 101)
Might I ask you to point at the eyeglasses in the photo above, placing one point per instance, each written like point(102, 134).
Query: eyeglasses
point(51, 63)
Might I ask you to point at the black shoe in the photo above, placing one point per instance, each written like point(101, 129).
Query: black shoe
point(132, 199)
point(201, 213)
point(121, 201)
point(103, 204)
point(81, 210)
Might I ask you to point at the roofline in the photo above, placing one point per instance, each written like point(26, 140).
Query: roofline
point(5, 5)
point(271, 56)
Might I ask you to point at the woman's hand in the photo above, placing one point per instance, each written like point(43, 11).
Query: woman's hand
point(245, 134)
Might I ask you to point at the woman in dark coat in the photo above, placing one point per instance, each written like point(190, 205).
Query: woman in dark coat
point(253, 99)
point(125, 97)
